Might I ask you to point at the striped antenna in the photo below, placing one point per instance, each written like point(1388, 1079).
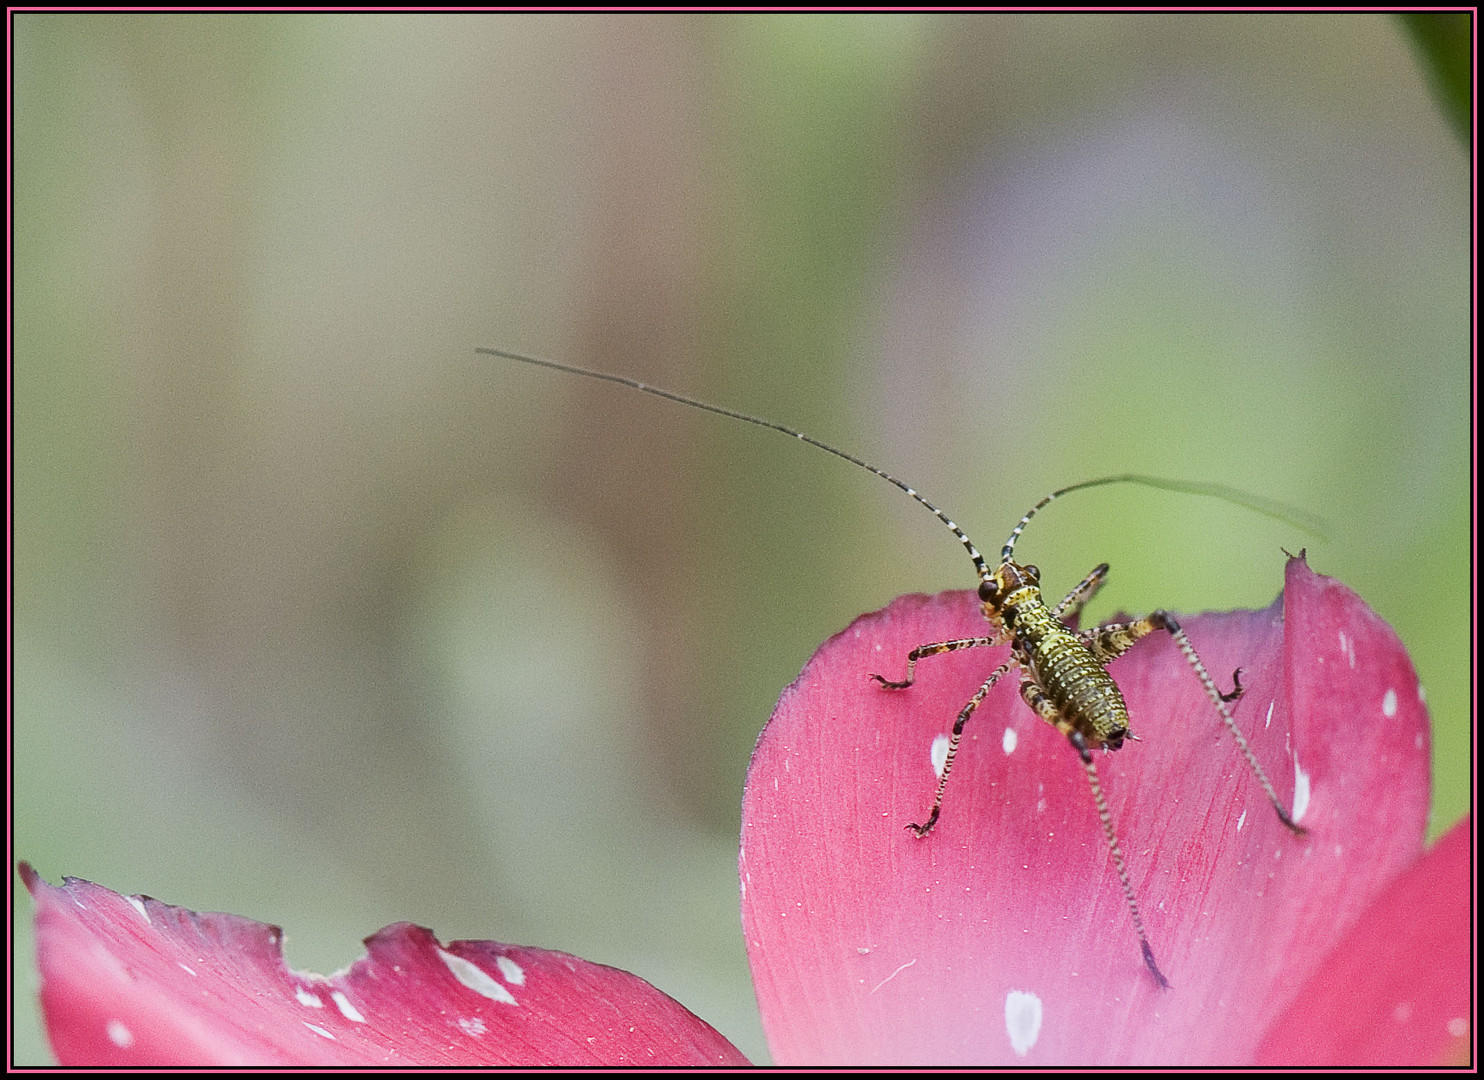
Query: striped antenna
point(570, 369)
point(1236, 497)
point(1267, 507)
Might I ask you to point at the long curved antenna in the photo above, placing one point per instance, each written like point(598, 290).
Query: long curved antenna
point(570, 369)
point(1237, 497)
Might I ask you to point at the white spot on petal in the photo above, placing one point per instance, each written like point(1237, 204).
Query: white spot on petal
point(476, 979)
point(1242, 820)
point(1458, 1027)
point(1022, 1020)
point(307, 997)
point(1268, 722)
point(512, 972)
point(138, 905)
point(1403, 1012)
point(347, 1010)
point(471, 1025)
point(186, 968)
point(119, 1035)
point(1348, 648)
point(1010, 741)
point(317, 1029)
point(1421, 694)
point(1300, 791)
point(939, 754)
point(1388, 704)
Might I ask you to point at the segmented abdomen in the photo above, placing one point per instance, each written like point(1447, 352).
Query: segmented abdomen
point(1082, 690)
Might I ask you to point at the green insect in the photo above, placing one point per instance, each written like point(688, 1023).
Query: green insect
point(1062, 671)
point(1063, 675)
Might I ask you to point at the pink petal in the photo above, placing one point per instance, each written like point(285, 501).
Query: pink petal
point(1003, 937)
point(1396, 991)
point(132, 981)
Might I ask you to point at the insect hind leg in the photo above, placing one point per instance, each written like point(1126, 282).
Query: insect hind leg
point(1168, 623)
point(1107, 643)
point(1106, 819)
point(1037, 699)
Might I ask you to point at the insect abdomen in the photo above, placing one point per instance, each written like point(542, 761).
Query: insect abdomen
point(1084, 693)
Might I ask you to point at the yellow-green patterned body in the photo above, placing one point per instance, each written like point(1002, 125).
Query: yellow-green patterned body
point(1065, 682)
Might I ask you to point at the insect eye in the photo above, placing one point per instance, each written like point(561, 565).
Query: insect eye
point(987, 592)
point(1032, 571)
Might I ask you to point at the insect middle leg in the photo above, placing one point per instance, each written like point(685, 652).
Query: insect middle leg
point(1107, 643)
point(953, 740)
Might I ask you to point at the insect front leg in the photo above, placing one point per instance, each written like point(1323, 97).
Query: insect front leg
point(953, 741)
point(1107, 643)
point(933, 650)
point(1071, 604)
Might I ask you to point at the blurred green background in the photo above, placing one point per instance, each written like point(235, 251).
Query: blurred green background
point(322, 619)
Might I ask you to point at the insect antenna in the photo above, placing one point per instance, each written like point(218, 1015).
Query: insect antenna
point(1268, 507)
point(622, 380)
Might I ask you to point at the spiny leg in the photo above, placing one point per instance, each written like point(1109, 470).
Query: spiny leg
point(958, 731)
point(1107, 643)
point(1071, 604)
point(1110, 641)
point(1036, 698)
point(1080, 745)
point(1168, 622)
point(933, 650)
